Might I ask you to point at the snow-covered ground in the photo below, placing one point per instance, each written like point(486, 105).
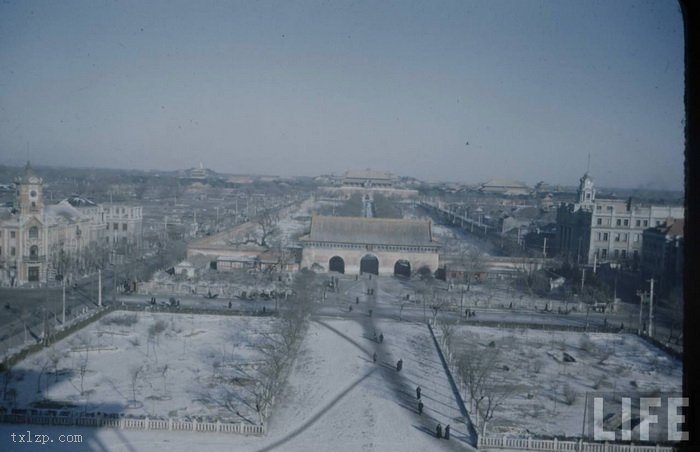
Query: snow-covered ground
point(532, 361)
point(336, 399)
point(190, 365)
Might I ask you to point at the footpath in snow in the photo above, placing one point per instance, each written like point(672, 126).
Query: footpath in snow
point(336, 398)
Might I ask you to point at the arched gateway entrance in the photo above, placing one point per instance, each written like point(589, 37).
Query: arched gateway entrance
point(369, 264)
point(336, 264)
point(402, 268)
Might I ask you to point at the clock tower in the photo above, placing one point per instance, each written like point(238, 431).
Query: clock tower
point(30, 195)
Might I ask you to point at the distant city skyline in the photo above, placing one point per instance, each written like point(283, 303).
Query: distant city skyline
point(459, 91)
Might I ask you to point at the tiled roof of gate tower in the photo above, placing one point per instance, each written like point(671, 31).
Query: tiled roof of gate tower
point(376, 231)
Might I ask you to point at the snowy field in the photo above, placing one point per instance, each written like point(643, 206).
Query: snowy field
point(336, 399)
point(550, 393)
point(149, 364)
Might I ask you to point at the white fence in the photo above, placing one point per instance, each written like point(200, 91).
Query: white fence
point(493, 442)
point(136, 424)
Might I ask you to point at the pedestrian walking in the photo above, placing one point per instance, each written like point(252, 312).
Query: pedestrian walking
point(357, 300)
point(420, 407)
point(418, 392)
point(447, 431)
point(374, 357)
point(350, 308)
point(399, 365)
point(229, 305)
point(381, 337)
point(375, 337)
point(438, 431)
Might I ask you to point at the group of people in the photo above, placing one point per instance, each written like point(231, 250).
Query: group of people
point(470, 313)
point(439, 433)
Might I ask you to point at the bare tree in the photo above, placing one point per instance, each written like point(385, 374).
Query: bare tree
point(163, 372)
point(134, 374)
point(55, 358)
point(477, 366)
point(265, 222)
point(7, 377)
point(473, 261)
point(279, 349)
point(82, 367)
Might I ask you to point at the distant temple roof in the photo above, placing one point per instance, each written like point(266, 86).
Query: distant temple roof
point(377, 231)
point(368, 174)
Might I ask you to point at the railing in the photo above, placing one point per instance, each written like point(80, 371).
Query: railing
point(125, 423)
point(34, 258)
point(533, 444)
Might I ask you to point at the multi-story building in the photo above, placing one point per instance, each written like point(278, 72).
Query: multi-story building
point(39, 242)
point(606, 230)
point(662, 253)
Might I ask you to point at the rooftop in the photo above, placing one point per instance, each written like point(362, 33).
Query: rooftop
point(370, 231)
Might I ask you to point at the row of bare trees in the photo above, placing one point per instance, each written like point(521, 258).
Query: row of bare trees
point(279, 348)
point(479, 368)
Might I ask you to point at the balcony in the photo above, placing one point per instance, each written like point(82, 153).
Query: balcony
point(34, 258)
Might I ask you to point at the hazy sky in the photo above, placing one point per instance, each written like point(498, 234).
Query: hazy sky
point(304, 88)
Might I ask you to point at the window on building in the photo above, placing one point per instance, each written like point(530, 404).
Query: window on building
point(33, 252)
point(13, 251)
point(646, 223)
point(618, 222)
point(0, 251)
point(604, 253)
point(598, 236)
point(12, 234)
point(588, 196)
point(617, 237)
point(598, 207)
point(616, 254)
point(115, 226)
point(33, 274)
point(609, 207)
point(635, 254)
point(600, 221)
point(123, 226)
point(638, 223)
point(635, 238)
point(605, 236)
point(624, 237)
point(607, 222)
point(658, 222)
point(626, 222)
point(623, 254)
point(108, 226)
point(33, 232)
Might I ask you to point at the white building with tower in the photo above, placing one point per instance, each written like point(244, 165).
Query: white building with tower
point(39, 242)
point(607, 230)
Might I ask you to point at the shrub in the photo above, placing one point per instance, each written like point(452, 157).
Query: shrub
point(126, 319)
point(569, 394)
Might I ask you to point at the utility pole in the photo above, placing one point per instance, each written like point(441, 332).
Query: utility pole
point(583, 278)
point(544, 248)
point(595, 262)
point(651, 309)
point(641, 312)
point(63, 317)
point(114, 283)
point(99, 288)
